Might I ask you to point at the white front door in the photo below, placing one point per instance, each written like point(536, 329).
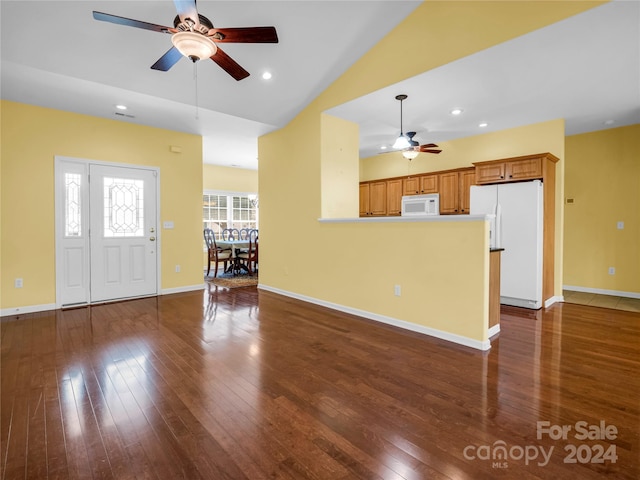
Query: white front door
point(106, 232)
point(123, 237)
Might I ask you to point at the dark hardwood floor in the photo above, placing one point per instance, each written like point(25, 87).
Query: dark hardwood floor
point(242, 384)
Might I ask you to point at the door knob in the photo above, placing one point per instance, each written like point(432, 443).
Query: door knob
point(152, 239)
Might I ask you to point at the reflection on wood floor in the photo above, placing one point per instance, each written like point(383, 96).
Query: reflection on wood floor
point(246, 384)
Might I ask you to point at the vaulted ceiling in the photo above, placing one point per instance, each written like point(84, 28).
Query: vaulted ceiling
point(585, 69)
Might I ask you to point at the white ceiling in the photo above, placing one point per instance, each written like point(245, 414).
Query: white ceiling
point(585, 69)
point(54, 54)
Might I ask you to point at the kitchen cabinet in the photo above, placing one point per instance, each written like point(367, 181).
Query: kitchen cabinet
point(420, 185)
point(510, 170)
point(373, 198)
point(454, 188)
point(448, 190)
point(384, 197)
point(466, 178)
point(394, 196)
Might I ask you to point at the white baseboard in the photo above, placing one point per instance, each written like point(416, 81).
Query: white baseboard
point(551, 300)
point(493, 331)
point(5, 312)
point(432, 332)
point(188, 288)
point(601, 291)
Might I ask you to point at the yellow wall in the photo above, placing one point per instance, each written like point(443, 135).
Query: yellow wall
point(292, 171)
point(339, 147)
point(603, 179)
point(229, 179)
point(537, 138)
point(32, 137)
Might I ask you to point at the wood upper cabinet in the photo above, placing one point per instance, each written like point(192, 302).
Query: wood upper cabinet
point(364, 199)
point(394, 196)
point(454, 188)
point(429, 184)
point(384, 197)
point(466, 178)
point(448, 190)
point(420, 185)
point(411, 186)
point(530, 167)
point(492, 173)
point(373, 198)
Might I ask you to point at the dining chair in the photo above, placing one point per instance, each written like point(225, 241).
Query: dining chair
point(216, 254)
point(230, 234)
point(244, 233)
point(249, 257)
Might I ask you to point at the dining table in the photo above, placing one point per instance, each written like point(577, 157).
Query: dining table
point(235, 246)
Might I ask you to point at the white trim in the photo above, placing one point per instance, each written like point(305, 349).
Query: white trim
point(551, 300)
point(601, 291)
point(209, 191)
point(188, 288)
point(29, 309)
point(493, 331)
point(52, 306)
point(432, 332)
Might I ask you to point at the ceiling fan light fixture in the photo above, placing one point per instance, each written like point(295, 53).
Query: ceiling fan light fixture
point(410, 154)
point(401, 142)
point(194, 45)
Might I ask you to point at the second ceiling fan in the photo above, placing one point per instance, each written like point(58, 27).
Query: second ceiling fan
point(405, 142)
point(194, 36)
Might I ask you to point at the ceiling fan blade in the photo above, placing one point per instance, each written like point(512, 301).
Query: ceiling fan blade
point(129, 22)
point(428, 145)
point(430, 151)
point(168, 60)
point(229, 65)
point(187, 9)
point(245, 34)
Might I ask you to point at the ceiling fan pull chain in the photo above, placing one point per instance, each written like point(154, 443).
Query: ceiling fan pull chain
point(195, 77)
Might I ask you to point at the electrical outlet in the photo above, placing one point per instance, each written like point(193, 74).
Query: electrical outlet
point(177, 268)
point(17, 283)
point(396, 290)
point(620, 225)
point(612, 270)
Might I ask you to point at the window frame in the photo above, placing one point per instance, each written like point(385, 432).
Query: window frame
point(229, 208)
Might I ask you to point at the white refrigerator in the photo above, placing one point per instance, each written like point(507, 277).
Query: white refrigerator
point(517, 227)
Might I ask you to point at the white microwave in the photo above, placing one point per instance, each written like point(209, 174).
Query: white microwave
point(413, 205)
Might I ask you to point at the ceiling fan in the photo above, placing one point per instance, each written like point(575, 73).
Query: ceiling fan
point(194, 36)
point(410, 148)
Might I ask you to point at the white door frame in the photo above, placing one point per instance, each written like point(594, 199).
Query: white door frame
point(82, 293)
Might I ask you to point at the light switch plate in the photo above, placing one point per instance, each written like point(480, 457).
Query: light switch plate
point(620, 225)
point(168, 225)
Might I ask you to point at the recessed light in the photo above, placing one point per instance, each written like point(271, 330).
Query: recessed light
point(456, 111)
point(483, 124)
point(266, 75)
point(609, 122)
point(383, 147)
point(121, 107)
